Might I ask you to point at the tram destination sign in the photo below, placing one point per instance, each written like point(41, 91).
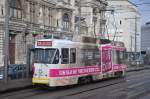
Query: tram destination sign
point(44, 43)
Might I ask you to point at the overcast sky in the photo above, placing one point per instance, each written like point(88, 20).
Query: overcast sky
point(144, 8)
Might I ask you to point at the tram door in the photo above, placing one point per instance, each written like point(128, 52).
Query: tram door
point(30, 58)
point(106, 59)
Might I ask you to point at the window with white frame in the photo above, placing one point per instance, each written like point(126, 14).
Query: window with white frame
point(66, 22)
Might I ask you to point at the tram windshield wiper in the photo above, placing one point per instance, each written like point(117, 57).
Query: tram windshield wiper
point(53, 58)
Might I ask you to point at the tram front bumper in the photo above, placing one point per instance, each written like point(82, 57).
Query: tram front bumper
point(40, 80)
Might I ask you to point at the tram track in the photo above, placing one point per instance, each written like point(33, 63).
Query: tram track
point(26, 94)
point(121, 80)
point(138, 85)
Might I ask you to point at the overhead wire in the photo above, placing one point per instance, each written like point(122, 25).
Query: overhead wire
point(145, 3)
point(107, 23)
point(115, 27)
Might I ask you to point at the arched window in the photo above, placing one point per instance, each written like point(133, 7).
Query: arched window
point(66, 22)
point(15, 9)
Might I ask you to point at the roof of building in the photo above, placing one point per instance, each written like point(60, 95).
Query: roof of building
point(146, 26)
point(125, 0)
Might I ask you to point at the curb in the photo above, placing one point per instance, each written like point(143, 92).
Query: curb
point(15, 85)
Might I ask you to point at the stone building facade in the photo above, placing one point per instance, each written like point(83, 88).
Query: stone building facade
point(124, 24)
point(145, 35)
point(92, 13)
point(30, 20)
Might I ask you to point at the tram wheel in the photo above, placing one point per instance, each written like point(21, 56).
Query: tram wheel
point(85, 80)
point(119, 74)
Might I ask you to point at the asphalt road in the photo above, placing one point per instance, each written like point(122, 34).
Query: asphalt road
point(136, 85)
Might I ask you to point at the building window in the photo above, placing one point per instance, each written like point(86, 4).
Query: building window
point(2, 10)
point(83, 25)
point(94, 11)
point(69, 1)
point(66, 22)
point(76, 2)
point(120, 22)
point(32, 12)
point(16, 9)
point(50, 16)
point(44, 13)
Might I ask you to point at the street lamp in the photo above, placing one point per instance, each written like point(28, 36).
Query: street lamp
point(94, 20)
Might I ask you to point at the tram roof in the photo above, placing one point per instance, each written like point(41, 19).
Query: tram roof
point(58, 40)
point(63, 42)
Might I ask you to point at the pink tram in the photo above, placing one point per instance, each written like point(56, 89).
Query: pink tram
point(64, 62)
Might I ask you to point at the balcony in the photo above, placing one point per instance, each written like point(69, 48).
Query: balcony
point(102, 21)
point(64, 5)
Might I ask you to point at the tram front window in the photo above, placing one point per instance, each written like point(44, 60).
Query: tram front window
point(47, 56)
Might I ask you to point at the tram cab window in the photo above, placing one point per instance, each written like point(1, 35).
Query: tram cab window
point(64, 56)
point(56, 57)
point(72, 55)
point(47, 56)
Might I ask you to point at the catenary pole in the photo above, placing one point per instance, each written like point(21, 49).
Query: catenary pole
point(6, 41)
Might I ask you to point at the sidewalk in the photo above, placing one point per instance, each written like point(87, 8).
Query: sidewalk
point(15, 85)
point(26, 83)
point(137, 68)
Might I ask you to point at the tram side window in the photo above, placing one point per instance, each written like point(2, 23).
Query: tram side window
point(114, 57)
point(72, 55)
point(65, 56)
point(90, 57)
point(118, 57)
point(123, 57)
point(97, 57)
point(107, 55)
